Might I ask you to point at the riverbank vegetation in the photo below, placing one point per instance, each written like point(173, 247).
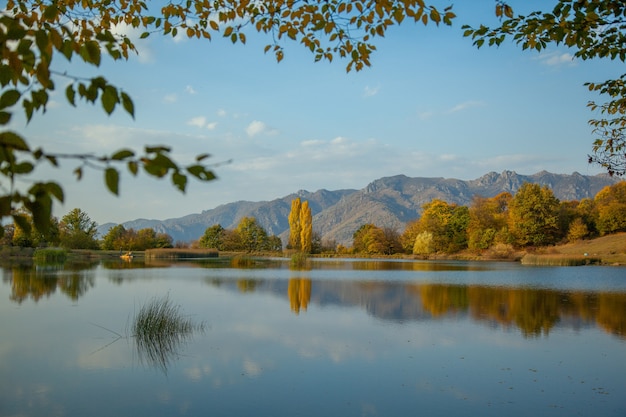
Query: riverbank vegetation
point(531, 222)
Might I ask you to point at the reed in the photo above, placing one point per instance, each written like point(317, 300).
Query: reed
point(50, 256)
point(559, 260)
point(299, 260)
point(242, 261)
point(160, 329)
point(180, 253)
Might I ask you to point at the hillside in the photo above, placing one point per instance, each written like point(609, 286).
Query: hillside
point(386, 202)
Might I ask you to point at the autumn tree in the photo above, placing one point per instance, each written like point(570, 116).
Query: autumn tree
point(368, 239)
point(533, 216)
point(300, 226)
point(114, 239)
point(442, 227)
point(488, 221)
point(610, 206)
point(295, 227)
point(306, 225)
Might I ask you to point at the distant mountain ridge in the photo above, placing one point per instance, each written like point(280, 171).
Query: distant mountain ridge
point(386, 202)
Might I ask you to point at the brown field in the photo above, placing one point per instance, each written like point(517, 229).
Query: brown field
point(610, 249)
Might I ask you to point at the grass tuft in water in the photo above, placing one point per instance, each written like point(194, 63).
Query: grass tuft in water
point(299, 260)
point(160, 329)
point(50, 256)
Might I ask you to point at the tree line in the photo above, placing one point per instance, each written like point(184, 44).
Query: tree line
point(76, 230)
point(531, 217)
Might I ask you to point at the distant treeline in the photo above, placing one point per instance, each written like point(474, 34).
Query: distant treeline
point(533, 217)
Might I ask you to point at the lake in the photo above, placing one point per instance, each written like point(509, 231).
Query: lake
point(341, 338)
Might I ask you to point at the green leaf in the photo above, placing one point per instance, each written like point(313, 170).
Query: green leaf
point(5, 117)
point(79, 173)
point(179, 180)
point(23, 168)
point(90, 52)
point(13, 140)
point(109, 99)
point(5, 206)
point(112, 179)
point(9, 98)
point(133, 167)
point(55, 190)
point(144, 35)
point(70, 93)
point(128, 105)
point(201, 172)
point(157, 149)
point(51, 12)
point(122, 154)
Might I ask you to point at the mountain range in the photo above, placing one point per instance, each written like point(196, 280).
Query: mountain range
point(385, 202)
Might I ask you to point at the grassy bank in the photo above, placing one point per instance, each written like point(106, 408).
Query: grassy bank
point(609, 249)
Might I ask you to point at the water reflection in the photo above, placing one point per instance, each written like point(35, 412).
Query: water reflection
point(34, 282)
point(299, 292)
point(533, 311)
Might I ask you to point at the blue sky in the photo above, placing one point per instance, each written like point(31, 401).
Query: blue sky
point(431, 105)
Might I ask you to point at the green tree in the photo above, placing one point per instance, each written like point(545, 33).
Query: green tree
point(533, 216)
point(115, 239)
point(253, 236)
point(78, 231)
point(213, 237)
point(591, 29)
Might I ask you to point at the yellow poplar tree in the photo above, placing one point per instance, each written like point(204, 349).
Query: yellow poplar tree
point(306, 226)
point(295, 226)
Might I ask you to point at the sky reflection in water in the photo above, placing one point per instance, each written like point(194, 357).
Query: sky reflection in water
point(341, 339)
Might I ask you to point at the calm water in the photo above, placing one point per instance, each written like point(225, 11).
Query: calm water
point(344, 338)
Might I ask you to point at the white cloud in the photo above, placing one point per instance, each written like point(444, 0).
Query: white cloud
point(257, 127)
point(221, 113)
point(211, 125)
point(189, 89)
point(466, 105)
point(170, 98)
point(555, 59)
point(370, 91)
point(198, 121)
